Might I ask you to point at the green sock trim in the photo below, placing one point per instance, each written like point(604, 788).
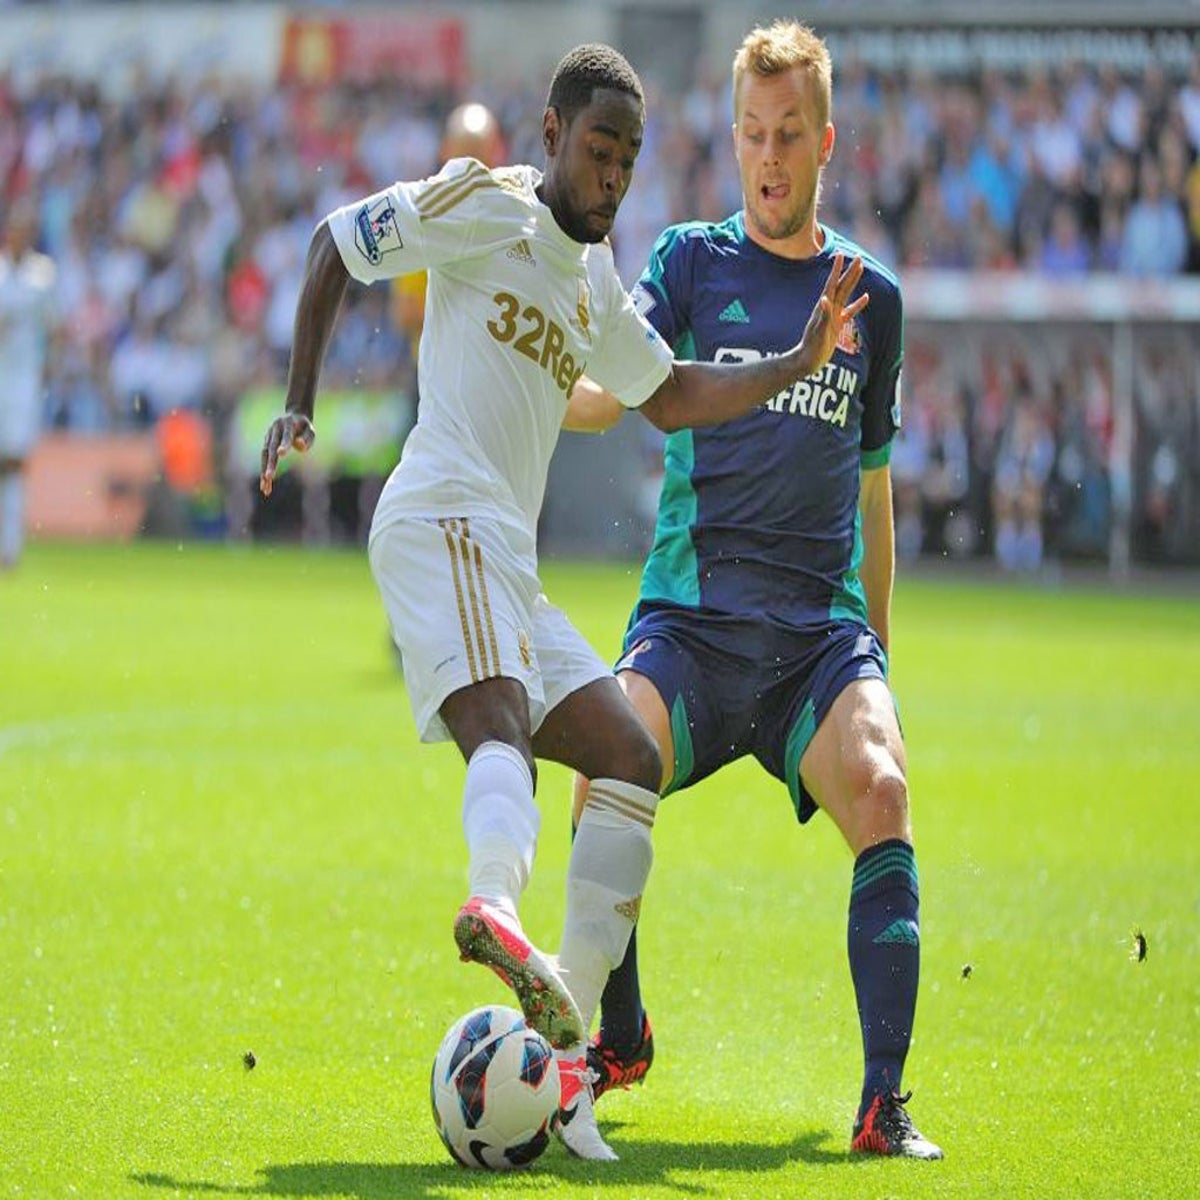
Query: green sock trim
point(895, 860)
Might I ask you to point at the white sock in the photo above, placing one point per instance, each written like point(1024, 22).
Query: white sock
point(501, 822)
point(610, 863)
point(12, 516)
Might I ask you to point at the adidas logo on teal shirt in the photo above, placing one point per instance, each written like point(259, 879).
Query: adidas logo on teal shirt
point(736, 313)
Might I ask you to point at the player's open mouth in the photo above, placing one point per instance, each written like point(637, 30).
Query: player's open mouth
point(776, 191)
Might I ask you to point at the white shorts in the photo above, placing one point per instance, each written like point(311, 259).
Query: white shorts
point(465, 604)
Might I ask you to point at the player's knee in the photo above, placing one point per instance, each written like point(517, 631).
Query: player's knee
point(885, 802)
point(639, 761)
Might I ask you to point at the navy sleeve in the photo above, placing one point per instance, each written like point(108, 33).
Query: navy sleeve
point(881, 396)
point(662, 294)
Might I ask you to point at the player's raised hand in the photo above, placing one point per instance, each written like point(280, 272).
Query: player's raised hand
point(830, 314)
point(292, 431)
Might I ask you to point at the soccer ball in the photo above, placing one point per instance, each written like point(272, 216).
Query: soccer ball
point(494, 1089)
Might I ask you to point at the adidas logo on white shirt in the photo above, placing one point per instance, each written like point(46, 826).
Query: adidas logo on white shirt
point(522, 253)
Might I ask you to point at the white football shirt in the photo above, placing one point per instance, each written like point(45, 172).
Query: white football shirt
point(516, 311)
point(27, 304)
point(27, 310)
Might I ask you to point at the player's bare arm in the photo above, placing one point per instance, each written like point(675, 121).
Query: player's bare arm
point(591, 408)
point(697, 394)
point(878, 569)
point(325, 280)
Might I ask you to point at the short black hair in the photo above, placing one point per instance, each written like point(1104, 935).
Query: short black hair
point(587, 68)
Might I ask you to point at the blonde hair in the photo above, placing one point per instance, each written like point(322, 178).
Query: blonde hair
point(779, 47)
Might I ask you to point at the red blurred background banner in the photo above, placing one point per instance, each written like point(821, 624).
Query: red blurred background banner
point(426, 51)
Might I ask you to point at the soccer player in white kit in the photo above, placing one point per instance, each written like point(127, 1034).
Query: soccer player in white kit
point(523, 297)
point(27, 309)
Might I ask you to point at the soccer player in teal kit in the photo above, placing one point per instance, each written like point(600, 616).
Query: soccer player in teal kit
point(762, 623)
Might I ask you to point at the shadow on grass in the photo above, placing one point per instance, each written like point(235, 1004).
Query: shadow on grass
point(642, 1163)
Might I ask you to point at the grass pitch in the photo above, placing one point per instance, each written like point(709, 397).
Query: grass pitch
point(219, 836)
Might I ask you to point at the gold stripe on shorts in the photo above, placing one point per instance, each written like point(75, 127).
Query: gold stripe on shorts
point(487, 604)
point(464, 549)
point(623, 806)
point(458, 595)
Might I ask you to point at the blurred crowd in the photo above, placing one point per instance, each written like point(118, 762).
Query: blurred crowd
point(1059, 173)
point(179, 216)
point(1011, 444)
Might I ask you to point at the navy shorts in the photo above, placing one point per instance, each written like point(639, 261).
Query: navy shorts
point(735, 686)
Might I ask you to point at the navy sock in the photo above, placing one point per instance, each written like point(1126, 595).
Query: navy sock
point(883, 939)
point(621, 1004)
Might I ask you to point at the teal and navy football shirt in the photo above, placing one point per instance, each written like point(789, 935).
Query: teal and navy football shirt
point(759, 516)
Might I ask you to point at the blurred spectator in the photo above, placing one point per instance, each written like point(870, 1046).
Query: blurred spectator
point(1082, 504)
point(1123, 104)
point(1155, 237)
point(1189, 104)
point(910, 458)
point(182, 500)
point(1192, 203)
point(1018, 493)
point(26, 320)
point(1055, 143)
point(944, 485)
point(1169, 410)
point(910, 448)
point(1065, 251)
point(992, 181)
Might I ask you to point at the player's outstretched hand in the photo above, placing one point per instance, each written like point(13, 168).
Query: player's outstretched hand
point(830, 314)
point(292, 431)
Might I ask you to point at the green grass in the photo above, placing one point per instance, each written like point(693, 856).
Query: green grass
point(218, 834)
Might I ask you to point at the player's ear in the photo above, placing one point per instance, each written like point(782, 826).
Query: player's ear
point(827, 144)
point(551, 131)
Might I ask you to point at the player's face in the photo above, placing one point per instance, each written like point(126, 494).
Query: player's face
point(589, 162)
point(781, 145)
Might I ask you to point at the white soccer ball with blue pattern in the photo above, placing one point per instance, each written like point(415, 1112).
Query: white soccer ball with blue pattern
point(494, 1089)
